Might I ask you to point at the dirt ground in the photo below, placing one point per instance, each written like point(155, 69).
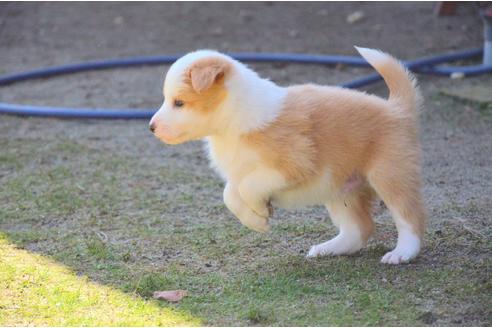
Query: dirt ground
point(146, 191)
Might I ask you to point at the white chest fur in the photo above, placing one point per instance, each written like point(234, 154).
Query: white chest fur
point(231, 158)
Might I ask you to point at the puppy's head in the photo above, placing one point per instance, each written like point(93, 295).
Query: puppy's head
point(194, 90)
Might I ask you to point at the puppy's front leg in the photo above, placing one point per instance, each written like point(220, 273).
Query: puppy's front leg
point(257, 187)
point(248, 217)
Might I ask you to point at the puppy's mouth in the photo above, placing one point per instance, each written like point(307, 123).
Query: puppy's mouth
point(173, 140)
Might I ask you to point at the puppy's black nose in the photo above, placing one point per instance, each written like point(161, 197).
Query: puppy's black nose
point(152, 127)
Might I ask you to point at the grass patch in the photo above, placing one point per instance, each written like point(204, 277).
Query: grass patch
point(259, 315)
point(98, 249)
point(37, 291)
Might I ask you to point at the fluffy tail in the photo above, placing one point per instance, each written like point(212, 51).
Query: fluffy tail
point(401, 83)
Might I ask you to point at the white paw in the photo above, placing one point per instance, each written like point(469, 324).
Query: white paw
point(337, 246)
point(407, 248)
point(395, 257)
point(315, 251)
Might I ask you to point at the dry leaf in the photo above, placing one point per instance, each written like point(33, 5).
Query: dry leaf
point(170, 295)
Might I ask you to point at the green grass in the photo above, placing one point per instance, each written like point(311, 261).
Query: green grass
point(37, 291)
point(89, 235)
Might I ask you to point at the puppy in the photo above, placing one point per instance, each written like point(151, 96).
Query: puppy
point(303, 145)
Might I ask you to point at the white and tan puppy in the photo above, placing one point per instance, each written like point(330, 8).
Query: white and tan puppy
point(303, 145)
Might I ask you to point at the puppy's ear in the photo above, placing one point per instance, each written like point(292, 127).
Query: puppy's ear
point(205, 72)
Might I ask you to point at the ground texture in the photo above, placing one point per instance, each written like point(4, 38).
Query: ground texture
point(96, 215)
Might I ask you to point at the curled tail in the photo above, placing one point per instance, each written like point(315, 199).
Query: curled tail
point(401, 83)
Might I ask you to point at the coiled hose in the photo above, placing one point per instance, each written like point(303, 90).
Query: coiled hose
point(427, 65)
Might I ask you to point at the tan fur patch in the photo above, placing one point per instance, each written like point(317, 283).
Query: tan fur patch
point(320, 127)
point(204, 102)
point(204, 88)
point(293, 156)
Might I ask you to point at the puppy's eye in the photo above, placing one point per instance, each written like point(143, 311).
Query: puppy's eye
point(178, 103)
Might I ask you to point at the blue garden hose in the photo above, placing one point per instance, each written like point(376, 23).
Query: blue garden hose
point(423, 65)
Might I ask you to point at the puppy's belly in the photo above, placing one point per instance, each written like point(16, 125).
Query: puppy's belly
point(314, 193)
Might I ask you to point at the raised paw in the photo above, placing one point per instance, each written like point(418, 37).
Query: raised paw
point(253, 221)
point(254, 202)
point(261, 210)
point(256, 223)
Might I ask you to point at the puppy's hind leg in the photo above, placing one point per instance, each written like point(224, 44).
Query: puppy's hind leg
point(400, 191)
point(352, 216)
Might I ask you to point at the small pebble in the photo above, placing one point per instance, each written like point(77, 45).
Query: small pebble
point(355, 17)
point(118, 20)
point(457, 75)
point(294, 33)
point(218, 31)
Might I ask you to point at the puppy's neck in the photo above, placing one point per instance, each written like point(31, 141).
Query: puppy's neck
point(252, 103)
